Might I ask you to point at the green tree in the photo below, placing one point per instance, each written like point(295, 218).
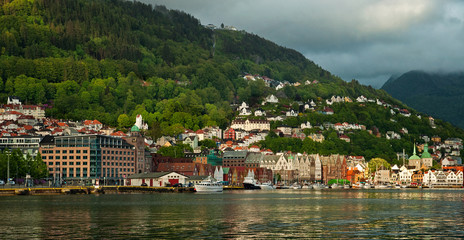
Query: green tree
point(124, 121)
point(207, 143)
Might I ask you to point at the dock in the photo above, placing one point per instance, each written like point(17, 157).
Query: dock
point(92, 190)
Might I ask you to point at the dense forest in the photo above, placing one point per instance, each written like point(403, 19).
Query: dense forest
point(111, 60)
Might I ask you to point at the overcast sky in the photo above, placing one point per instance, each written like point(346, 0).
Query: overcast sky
point(363, 39)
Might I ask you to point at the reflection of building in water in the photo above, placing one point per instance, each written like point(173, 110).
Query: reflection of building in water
point(67, 221)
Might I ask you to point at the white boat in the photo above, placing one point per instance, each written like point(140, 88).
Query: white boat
point(346, 186)
point(317, 186)
point(266, 186)
point(334, 186)
point(366, 186)
point(306, 186)
point(209, 185)
point(250, 182)
point(357, 185)
point(397, 186)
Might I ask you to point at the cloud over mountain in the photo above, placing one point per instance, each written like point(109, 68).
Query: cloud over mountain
point(366, 40)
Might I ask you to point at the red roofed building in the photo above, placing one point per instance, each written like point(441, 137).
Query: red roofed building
point(188, 169)
point(345, 138)
point(93, 125)
point(254, 148)
point(201, 134)
point(10, 115)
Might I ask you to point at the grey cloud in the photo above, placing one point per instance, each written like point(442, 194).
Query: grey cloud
point(366, 40)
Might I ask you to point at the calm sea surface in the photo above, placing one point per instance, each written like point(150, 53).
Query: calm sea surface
point(360, 214)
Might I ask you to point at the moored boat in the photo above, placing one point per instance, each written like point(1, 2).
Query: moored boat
point(266, 186)
point(250, 182)
point(209, 185)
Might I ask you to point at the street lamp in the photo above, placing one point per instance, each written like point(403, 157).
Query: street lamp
point(8, 167)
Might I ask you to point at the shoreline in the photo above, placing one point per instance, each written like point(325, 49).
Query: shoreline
point(74, 190)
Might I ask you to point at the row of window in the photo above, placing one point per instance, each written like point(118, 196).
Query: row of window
point(65, 157)
point(64, 151)
point(117, 152)
point(116, 158)
point(120, 164)
point(116, 170)
point(65, 163)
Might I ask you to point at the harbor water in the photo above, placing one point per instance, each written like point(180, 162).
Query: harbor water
point(241, 214)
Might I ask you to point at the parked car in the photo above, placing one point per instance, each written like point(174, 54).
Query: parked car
point(2, 182)
point(144, 184)
point(177, 185)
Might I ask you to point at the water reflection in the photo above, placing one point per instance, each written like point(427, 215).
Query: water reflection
point(363, 214)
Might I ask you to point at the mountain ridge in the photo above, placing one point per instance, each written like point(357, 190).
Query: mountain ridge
point(438, 94)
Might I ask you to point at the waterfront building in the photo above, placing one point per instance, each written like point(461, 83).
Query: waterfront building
point(333, 167)
point(253, 160)
point(142, 159)
point(234, 158)
point(88, 157)
point(156, 179)
point(414, 160)
point(158, 159)
point(382, 176)
point(405, 175)
point(426, 158)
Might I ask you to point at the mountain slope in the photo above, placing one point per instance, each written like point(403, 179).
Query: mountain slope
point(440, 95)
point(111, 60)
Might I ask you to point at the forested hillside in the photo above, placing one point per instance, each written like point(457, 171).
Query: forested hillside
point(440, 95)
point(115, 59)
point(111, 60)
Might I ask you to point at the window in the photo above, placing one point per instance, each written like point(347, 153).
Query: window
point(71, 157)
point(65, 151)
point(71, 163)
point(78, 157)
point(50, 163)
point(71, 151)
point(84, 163)
point(50, 157)
point(85, 157)
point(57, 151)
point(78, 151)
point(78, 163)
point(65, 157)
point(85, 151)
point(57, 157)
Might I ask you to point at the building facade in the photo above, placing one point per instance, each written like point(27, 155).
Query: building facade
point(94, 157)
